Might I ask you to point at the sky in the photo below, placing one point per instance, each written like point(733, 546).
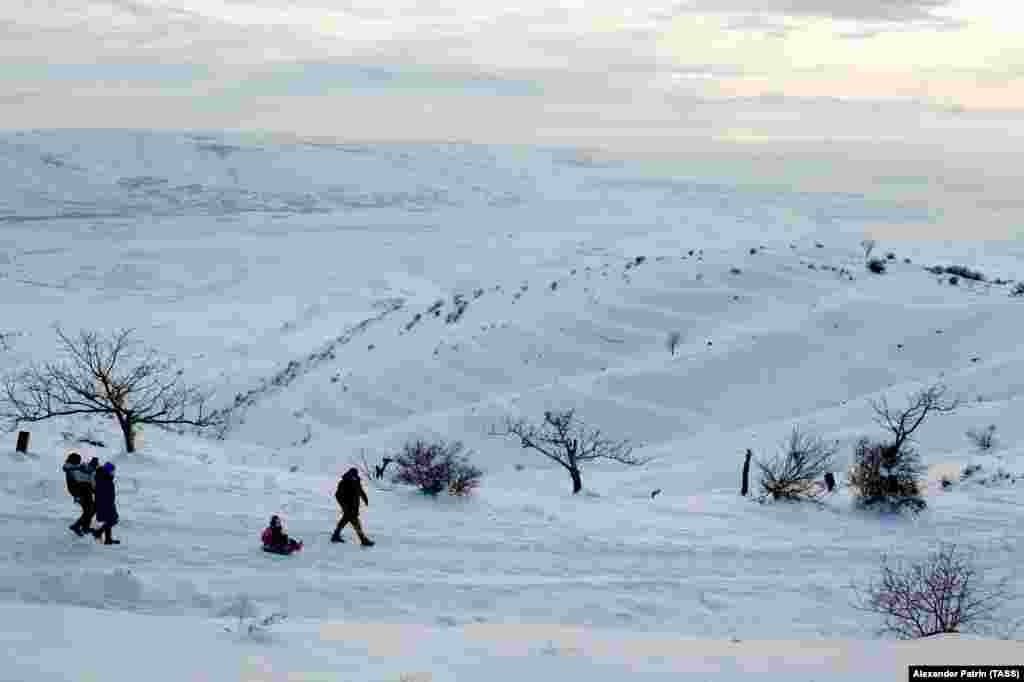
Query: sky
point(654, 75)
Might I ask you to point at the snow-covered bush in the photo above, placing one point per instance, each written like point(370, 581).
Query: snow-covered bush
point(795, 473)
point(1018, 289)
point(944, 593)
point(983, 439)
point(436, 466)
point(248, 624)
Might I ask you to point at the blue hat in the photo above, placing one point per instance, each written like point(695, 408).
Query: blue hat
point(108, 467)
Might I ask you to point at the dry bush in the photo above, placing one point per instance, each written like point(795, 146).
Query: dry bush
point(886, 477)
point(436, 466)
point(795, 473)
point(945, 593)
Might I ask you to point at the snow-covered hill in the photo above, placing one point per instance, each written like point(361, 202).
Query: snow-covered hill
point(351, 297)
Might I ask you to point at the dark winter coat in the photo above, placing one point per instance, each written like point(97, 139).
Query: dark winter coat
point(79, 479)
point(350, 489)
point(106, 508)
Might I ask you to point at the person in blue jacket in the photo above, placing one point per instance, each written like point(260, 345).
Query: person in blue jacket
point(106, 506)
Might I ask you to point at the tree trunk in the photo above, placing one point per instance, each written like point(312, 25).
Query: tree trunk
point(128, 429)
point(577, 480)
point(22, 444)
point(744, 485)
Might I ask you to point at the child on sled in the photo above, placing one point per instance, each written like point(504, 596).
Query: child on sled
point(276, 540)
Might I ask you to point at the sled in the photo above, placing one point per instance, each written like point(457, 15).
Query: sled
point(284, 551)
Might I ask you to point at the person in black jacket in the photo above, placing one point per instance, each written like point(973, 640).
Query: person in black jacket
point(350, 489)
point(79, 479)
point(106, 507)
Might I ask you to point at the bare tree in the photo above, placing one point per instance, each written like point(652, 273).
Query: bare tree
point(794, 473)
point(106, 376)
point(868, 245)
point(562, 438)
point(903, 423)
point(672, 342)
point(942, 594)
point(983, 439)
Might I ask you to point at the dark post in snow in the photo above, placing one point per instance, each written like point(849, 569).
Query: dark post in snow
point(746, 473)
point(830, 481)
point(22, 445)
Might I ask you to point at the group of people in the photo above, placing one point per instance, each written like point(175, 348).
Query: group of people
point(92, 487)
point(350, 491)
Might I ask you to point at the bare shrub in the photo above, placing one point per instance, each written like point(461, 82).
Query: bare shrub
point(877, 266)
point(108, 376)
point(672, 342)
point(563, 439)
point(794, 473)
point(965, 272)
point(958, 270)
point(436, 466)
point(983, 439)
point(945, 593)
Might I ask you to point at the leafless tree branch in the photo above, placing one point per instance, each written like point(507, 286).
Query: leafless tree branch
point(108, 376)
point(942, 594)
point(903, 423)
point(563, 439)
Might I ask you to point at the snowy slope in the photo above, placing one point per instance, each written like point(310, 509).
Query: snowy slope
point(300, 280)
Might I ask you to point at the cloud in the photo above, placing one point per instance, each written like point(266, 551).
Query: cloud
point(322, 78)
point(896, 11)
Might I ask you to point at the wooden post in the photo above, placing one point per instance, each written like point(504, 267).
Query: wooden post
point(830, 481)
point(746, 474)
point(22, 445)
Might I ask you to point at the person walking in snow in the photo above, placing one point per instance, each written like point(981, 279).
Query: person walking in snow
point(106, 506)
point(79, 479)
point(350, 489)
